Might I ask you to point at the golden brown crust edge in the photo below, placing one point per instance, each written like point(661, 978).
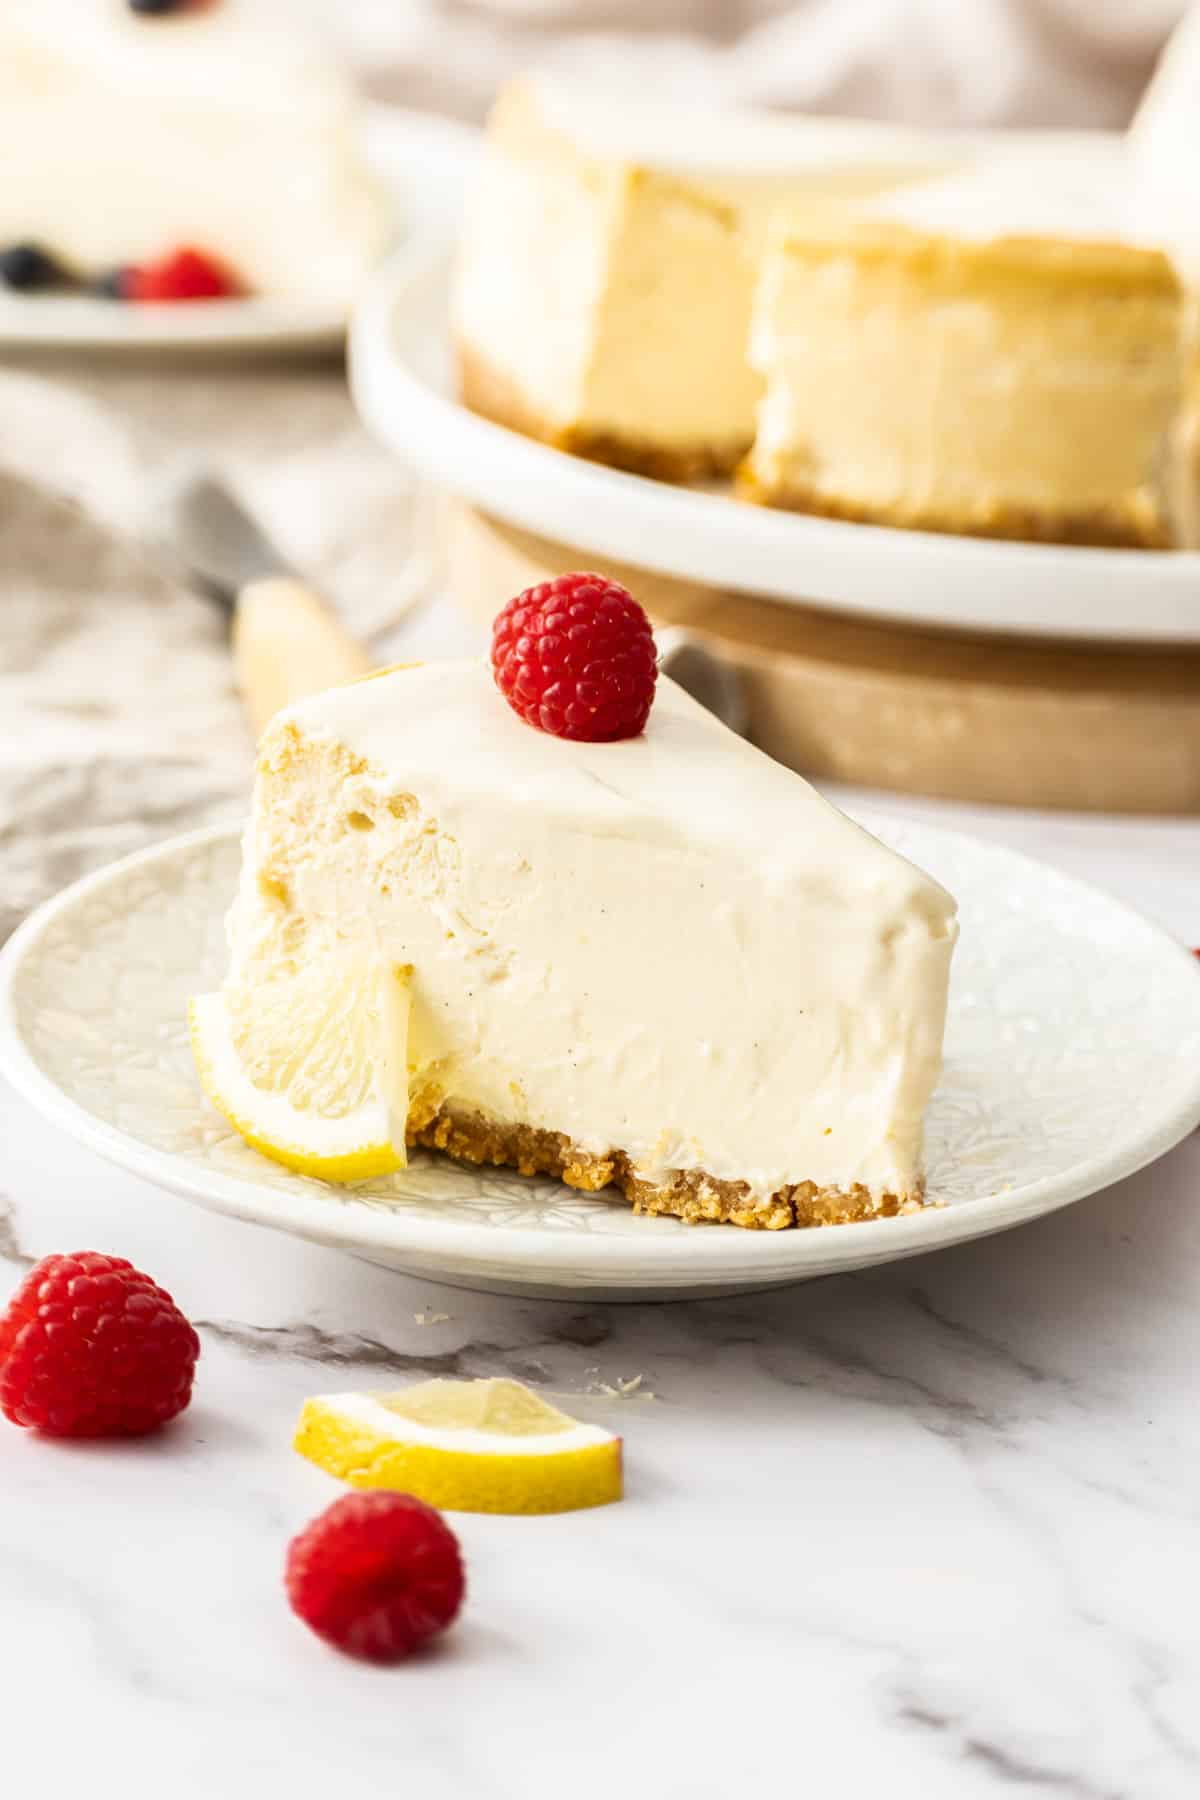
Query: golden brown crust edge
point(494, 396)
point(693, 1196)
point(1105, 527)
point(949, 263)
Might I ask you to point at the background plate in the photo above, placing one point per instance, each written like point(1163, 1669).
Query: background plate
point(1072, 1059)
point(421, 159)
point(402, 375)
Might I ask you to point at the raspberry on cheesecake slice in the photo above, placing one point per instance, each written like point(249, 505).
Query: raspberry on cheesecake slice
point(634, 951)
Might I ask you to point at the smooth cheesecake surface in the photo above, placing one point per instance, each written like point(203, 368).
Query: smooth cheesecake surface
point(990, 353)
point(124, 135)
point(668, 958)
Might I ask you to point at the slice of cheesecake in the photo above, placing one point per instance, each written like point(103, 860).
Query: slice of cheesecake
point(123, 135)
point(609, 258)
point(991, 353)
point(664, 964)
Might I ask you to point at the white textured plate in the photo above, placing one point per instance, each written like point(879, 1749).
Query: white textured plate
point(402, 376)
point(419, 158)
point(1072, 1058)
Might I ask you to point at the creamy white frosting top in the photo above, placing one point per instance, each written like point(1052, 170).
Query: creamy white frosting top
point(690, 138)
point(720, 140)
point(1086, 198)
point(686, 778)
point(671, 945)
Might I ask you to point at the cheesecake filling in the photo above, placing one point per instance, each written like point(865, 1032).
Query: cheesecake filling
point(1038, 391)
point(664, 962)
point(605, 309)
point(608, 266)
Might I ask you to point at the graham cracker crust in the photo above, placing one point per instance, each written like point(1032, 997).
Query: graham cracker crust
point(1106, 527)
point(495, 396)
point(691, 1195)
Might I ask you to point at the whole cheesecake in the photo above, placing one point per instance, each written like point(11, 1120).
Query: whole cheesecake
point(663, 964)
point(609, 260)
point(124, 133)
point(997, 353)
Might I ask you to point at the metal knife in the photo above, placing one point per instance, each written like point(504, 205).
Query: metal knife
point(286, 641)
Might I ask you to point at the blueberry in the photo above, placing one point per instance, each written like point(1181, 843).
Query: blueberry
point(156, 6)
point(27, 267)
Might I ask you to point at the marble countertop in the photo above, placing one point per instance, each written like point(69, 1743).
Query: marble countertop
point(932, 1530)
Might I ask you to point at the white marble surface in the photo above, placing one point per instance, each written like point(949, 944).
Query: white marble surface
point(932, 1531)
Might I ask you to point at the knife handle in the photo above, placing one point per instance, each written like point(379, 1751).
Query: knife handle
point(286, 644)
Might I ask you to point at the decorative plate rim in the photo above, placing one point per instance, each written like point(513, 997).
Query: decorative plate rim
point(726, 1254)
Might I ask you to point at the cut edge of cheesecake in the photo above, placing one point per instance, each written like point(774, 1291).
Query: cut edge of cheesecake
point(494, 395)
point(634, 240)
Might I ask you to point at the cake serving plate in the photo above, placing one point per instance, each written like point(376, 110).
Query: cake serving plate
point(1072, 1060)
point(420, 159)
point(403, 381)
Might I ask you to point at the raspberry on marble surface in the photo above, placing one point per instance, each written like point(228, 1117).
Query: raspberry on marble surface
point(376, 1575)
point(91, 1347)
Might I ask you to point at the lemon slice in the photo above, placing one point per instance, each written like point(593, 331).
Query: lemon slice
point(470, 1446)
point(310, 1065)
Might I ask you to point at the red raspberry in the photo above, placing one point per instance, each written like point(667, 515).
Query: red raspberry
point(576, 658)
point(90, 1347)
point(184, 274)
point(376, 1574)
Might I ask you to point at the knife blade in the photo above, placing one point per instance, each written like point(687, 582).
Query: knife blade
point(221, 547)
point(707, 677)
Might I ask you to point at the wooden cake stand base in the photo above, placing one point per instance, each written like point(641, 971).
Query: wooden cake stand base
point(978, 718)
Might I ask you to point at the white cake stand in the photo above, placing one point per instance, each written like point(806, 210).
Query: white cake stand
point(402, 376)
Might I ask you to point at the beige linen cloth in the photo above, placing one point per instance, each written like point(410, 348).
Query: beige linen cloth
point(118, 720)
point(930, 62)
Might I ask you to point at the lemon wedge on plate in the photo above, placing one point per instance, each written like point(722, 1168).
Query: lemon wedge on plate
point(310, 1064)
point(469, 1446)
